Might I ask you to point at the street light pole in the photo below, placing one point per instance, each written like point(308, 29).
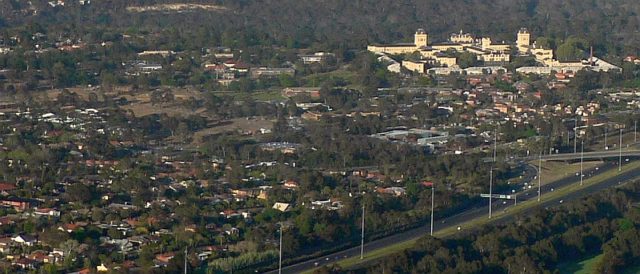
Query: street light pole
point(185, 259)
point(575, 136)
point(362, 238)
point(280, 259)
point(606, 132)
point(635, 131)
point(490, 189)
point(581, 161)
point(539, 175)
point(433, 194)
point(495, 143)
point(620, 159)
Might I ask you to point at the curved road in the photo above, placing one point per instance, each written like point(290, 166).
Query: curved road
point(472, 213)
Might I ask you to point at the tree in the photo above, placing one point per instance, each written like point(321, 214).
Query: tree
point(70, 249)
point(467, 59)
point(79, 192)
point(572, 49)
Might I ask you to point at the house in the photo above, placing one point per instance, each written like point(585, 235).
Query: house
point(18, 204)
point(69, 228)
point(42, 256)
point(311, 116)
point(232, 231)
point(327, 204)
point(284, 207)
point(270, 72)
point(5, 188)
point(290, 184)
point(46, 212)
point(230, 214)
point(163, 53)
point(25, 263)
point(313, 92)
point(164, 258)
point(5, 244)
point(25, 240)
point(102, 268)
point(396, 191)
point(317, 57)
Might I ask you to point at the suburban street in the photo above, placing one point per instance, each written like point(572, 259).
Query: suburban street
point(472, 213)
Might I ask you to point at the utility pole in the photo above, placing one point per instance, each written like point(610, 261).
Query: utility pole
point(606, 132)
point(539, 175)
point(433, 195)
point(495, 143)
point(490, 189)
point(280, 252)
point(185, 259)
point(575, 136)
point(620, 159)
point(581, 160)
point(362, 239)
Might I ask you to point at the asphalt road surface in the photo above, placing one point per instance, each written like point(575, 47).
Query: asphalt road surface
point(472, 213)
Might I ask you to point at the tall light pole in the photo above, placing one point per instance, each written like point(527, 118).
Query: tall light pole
point(280, 252)
point(490, 189)
point(433, 195)
point(495, 143)
point(635, 131)
point(185, 259)
point(539, 175)
point(581, 160)
point(606, 132)
point(362, 238)
point(575, 136)
point(620, 159)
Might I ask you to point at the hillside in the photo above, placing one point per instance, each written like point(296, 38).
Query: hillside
point(306, 22)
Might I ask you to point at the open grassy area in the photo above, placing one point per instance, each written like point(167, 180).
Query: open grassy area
point(341, 75)
point(581, 267)
point(553, 171)
point(376, 254)
point(588, 265)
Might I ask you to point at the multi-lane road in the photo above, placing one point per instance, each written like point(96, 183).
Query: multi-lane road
point(457, 221)
point(587, 155)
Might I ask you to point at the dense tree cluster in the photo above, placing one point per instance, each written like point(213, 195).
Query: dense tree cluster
point(296, 23)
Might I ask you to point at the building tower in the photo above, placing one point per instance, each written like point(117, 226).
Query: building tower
point(421, 38)
point(524, 40)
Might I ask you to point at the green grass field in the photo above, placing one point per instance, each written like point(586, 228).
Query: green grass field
point(588, 265)
point(585, 266)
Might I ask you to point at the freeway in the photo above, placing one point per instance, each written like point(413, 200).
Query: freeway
point(457, 221)
point(587, 155)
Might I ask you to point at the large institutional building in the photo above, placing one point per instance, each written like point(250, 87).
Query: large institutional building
point(436, 54)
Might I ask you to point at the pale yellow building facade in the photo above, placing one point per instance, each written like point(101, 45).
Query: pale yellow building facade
point(414, 66)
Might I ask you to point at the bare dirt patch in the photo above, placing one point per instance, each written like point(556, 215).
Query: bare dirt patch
point(251, 125)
